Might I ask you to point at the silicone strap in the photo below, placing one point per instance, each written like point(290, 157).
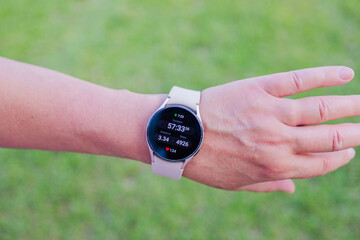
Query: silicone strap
point(190, 99)
point(186, 97)
point(167, 169)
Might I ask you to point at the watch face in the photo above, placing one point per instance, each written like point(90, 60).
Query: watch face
point(174, 133)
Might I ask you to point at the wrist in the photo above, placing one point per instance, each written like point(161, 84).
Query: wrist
point(141, 107)
point(125, 120)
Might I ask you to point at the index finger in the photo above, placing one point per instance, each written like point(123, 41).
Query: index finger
point(290, 83)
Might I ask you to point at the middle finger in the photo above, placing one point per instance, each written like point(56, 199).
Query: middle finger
point(313, 110)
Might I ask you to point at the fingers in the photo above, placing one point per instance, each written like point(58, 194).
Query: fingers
point(317, 164)
point(286, 186)
point(326, 138)
point(290, 83)
point(312, 110)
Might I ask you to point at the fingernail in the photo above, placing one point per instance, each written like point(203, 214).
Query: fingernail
point(289, 191)
point(346, 74)
point(351, 153)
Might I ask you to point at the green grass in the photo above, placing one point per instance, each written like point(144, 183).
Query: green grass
point(148, 46)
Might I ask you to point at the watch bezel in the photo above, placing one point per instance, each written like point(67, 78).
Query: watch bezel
point(197, 117)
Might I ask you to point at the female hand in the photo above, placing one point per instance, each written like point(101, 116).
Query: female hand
point(256, 140)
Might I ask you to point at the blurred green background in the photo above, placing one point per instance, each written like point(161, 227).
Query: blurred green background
point(147, 47)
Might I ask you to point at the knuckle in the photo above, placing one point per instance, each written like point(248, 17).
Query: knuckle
point(287, 138)
point(322, 76)
point(274, 135)
point(337, 140)
point(273, 171)
point(323, 110)
point(297, 81)
point(325, 166)
point(292, 113)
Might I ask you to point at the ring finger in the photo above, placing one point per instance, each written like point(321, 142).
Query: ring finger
point(325, 138)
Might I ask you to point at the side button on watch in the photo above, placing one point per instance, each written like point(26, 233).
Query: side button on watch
point(175, 132)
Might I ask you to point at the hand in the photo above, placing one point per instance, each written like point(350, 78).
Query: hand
point(256, 140)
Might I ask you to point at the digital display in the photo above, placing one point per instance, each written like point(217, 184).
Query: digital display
point(174, 133)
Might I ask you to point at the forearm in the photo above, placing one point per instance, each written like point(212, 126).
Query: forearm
point(44, 109)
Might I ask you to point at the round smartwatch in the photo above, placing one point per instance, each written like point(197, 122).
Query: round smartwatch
point(175, 132)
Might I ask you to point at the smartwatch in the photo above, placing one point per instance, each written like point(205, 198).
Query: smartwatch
point(175, 132)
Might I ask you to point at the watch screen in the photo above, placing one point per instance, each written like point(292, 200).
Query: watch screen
point(174, 133)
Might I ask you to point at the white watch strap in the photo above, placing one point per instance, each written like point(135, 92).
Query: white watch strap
point(190, 99)
point(185, 97)
point(167, 169)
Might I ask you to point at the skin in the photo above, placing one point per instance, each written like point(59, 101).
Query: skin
point(254, 139)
